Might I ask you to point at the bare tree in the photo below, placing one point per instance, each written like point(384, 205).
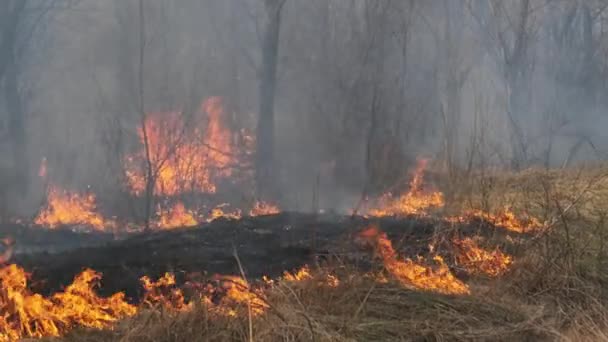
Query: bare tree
point(265, 163)
point(508, 29)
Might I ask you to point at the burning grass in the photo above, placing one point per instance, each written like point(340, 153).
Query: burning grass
point(358, 308)
point(546, 285)
point(413, 273)
point(417, 201)
point(26, 314)
point(67, 208)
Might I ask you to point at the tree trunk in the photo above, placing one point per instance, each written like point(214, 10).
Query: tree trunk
point(16, 116)
point(16, 126)
point(518, 80)
point(265, 163)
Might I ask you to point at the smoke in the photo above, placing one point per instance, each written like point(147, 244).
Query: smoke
point(364, 87)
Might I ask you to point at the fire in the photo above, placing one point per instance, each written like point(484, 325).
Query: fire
point(301, 274)
point(476, 260)
point(304, 273)
point(177, 216)
point(415, 202)
point(261, 208)
point(66, 208)
point(218, 212)
point(238, 291)
point(26, 314)
point(413, 273)
point(183, 159)
point(505, 219)
point(163, 292)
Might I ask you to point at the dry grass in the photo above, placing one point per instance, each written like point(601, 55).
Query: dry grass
point(359, 309)
point(555, 290)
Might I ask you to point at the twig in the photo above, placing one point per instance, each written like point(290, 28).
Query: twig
point(242, 271)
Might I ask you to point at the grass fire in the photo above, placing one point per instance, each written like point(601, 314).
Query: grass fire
point(282, 170)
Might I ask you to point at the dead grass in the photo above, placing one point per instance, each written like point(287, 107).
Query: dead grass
point(359, 309)
point(554, 291)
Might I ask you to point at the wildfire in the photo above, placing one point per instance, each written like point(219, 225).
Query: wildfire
point(476, 260)
point(218, 212)
point(416, 201)
point(177, 216)
point(183, 160)
point(261, 208)
point(301, 274)
point(163, 292)
point(304, 273)
point(25, 314)
point(413, 273)
point(238, 291)
point(66, 208)
point(505, 219)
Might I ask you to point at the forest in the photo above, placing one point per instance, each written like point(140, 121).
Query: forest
point(338, 170)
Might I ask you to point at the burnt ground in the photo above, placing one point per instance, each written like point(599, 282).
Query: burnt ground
point(266, 245)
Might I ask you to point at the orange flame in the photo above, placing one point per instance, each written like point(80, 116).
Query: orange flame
point(476, 260)
point(506, 219)
point(304, 273)
point(238, 291)
point(163, 292)
point(413, 273)
point(183, 159)
point(415, 202)
point(176, 217)
point(66, 208)
point(261, 208)
point(218, 212)
point(25, 314)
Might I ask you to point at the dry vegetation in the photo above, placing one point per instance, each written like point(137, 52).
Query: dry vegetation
point(553, 291)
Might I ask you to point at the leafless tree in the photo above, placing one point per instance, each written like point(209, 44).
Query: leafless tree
point(265, 164)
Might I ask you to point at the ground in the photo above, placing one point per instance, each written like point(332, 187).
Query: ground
point(552, 290)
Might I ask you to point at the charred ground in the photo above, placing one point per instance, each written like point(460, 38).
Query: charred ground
point(266, 245)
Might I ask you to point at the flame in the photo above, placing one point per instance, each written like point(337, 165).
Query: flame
point(476, 260)
point(238, 291)
point(218, 212)
point(234, 293)
point(25, 314)
point(304, 273)
point(163, 292)
point(176, 217)
point(415, 202)
point(505, 218)
point(261, 208)
point(66, 208)
point(413, 273)
point(184, 160)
